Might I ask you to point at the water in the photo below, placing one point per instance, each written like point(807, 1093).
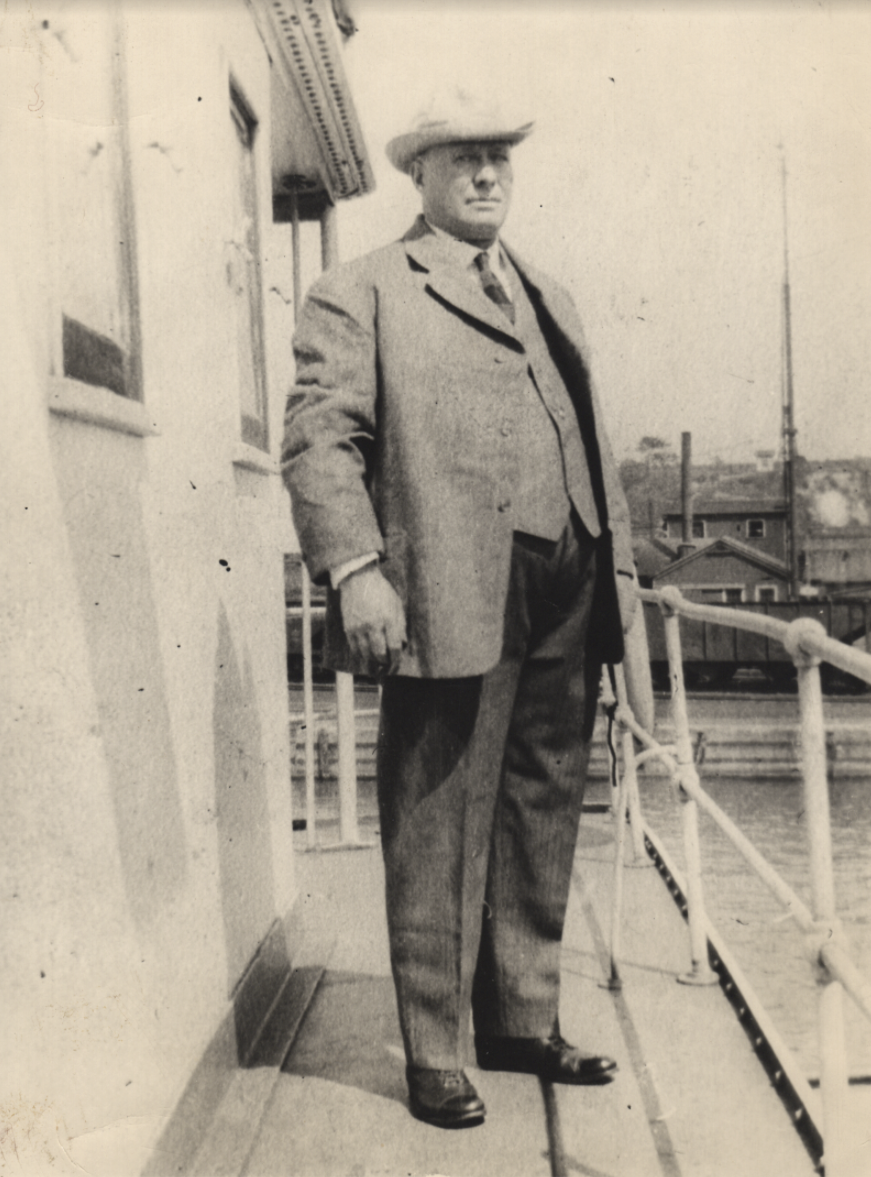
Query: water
point(769, 948)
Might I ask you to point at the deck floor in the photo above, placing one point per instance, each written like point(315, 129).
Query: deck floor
point(690, 1100)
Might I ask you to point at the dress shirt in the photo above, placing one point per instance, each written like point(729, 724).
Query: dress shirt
point(465, 253)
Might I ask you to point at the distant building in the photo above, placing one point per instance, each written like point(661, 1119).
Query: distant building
point(837, 564)
point(765, 461)
point(759, 523)
point(835, 543)
point(651, 556)
point(834, 520)
point(726, 571)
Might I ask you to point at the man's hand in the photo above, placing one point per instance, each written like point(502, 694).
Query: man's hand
point(374, 619)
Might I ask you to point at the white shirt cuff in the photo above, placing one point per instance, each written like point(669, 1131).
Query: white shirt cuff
point(337, 575)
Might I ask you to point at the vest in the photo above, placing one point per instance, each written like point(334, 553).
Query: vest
point(552, 474)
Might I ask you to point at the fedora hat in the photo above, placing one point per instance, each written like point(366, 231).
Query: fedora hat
point(454, 117)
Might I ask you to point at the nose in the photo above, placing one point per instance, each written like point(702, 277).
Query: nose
point(486, 175)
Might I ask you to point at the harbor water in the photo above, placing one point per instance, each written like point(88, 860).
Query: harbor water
point(765, 941)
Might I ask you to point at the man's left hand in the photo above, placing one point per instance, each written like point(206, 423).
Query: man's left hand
point(627, 599)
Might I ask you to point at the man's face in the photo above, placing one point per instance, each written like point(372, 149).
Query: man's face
point(466, 188)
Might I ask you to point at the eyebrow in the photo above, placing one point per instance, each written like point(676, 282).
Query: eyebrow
point(497, 148)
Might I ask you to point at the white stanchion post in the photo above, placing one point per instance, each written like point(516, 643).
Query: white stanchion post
point(701, 972)
point(618, 801)
point(347, 741)
point(632, 801)
point(834, 1080)
point(615, 981)
point(308, 704)
point(834, 1073)
point(307, 682)
point(346, 727)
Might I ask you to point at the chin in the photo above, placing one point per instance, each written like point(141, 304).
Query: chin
point(483, 226)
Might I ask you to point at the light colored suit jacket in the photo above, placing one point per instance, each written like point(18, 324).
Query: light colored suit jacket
point(399, 440)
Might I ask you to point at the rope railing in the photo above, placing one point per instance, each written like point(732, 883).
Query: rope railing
point(807, 643)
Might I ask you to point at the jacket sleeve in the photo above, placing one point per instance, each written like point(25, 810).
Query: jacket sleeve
point(618, 508)
point(330, 423)
point(624, 558)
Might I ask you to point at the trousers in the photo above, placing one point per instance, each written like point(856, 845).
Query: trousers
point(480, 787)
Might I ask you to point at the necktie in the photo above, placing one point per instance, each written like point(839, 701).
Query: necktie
point(493, 288)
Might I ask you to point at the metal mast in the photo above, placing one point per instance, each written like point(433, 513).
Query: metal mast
point(789, 429)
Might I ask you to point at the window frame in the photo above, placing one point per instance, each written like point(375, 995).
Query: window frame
point(91, 376)
point(719, 589)
point(254, 430)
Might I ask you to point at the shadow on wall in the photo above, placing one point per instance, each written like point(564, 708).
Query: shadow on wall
point(241, 805)
point(99, 478)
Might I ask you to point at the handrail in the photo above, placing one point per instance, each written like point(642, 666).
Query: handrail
point(807, 644)
point(808, 635)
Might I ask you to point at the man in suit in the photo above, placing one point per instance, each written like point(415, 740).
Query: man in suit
point(453, 487)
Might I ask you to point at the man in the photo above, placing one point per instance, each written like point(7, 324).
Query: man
point(453, 486)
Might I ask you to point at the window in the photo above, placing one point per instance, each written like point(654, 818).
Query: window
point(715, 594)
point(244, 274)
point(674, 528)
point(766, 592)
point(96, 308)
point(756, 529)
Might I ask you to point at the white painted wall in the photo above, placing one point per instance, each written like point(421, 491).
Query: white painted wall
point(145, 848)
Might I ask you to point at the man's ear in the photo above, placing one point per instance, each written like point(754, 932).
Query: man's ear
point(416, 173)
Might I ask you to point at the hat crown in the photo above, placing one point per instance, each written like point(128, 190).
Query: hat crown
point(455, 115)
point(461, 109)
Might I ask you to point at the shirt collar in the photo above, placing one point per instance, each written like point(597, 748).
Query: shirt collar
point(466, 251)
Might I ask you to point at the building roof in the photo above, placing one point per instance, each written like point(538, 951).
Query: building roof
point(730, 507)
point(725, 545)
point(854, 538)
point(652, 555)
point(318, 151)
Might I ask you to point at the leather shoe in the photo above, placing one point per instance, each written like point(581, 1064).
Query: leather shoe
point(445, 1099)
point(552, 1059)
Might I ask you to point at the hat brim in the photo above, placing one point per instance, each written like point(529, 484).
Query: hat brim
point(404, 149)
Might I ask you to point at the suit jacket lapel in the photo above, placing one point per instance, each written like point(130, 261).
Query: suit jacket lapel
point(448, 283)
point(555, 303)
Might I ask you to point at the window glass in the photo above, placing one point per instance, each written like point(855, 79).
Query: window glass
point(245, 276)
point(756, 528)
point(94, 246)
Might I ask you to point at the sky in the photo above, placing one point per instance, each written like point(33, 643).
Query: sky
point(652, 188)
